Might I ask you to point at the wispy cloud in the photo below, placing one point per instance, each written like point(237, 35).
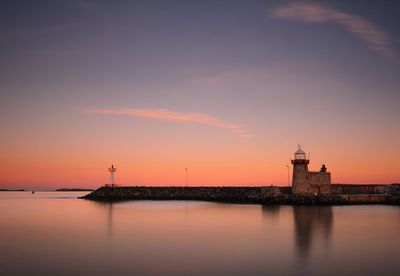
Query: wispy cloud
point(366, 31)
point(169, 115)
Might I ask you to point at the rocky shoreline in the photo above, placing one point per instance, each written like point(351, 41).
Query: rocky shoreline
point(250, 195)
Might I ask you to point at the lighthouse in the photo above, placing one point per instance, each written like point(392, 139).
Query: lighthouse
point(300, 181)
point(112, 170)
point(308, 182)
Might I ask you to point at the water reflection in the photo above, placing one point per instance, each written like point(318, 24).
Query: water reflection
point(108, 215)
point(109, 219)
point(194, 238)
point(106, 224)
point(271, 210)
point(309, 223)
point(312, 225)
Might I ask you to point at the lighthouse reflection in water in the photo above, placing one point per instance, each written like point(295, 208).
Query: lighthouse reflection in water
point(57, 234)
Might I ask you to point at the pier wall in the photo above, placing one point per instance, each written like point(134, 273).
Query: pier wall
point(363, 198)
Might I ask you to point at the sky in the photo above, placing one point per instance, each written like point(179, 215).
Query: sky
point(227, 89)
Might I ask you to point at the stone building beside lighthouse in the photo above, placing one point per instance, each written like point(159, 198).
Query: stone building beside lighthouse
point(306, 182)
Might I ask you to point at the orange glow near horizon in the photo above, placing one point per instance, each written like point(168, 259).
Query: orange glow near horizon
point(159, 165)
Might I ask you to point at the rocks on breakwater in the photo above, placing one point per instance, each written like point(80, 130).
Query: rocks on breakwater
point(223, 194)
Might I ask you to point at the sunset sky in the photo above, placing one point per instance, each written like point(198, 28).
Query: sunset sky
point(225, 88)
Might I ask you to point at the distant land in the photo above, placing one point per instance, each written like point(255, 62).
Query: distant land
point(74, 190)
point(15, 190)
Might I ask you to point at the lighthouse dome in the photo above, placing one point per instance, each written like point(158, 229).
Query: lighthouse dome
point(299, 154)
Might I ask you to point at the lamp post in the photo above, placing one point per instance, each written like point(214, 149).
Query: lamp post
point(288, 181)
point(186, 170)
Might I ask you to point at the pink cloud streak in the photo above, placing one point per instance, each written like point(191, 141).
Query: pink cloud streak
point(169, 115)
point(375, 38)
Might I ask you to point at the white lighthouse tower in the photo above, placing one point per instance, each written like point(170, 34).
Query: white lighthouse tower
point(112, 170)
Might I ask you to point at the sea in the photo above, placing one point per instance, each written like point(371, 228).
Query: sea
point(55, 233)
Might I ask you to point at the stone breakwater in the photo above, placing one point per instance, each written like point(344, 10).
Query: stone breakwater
point(222, 194)
point(256, 195)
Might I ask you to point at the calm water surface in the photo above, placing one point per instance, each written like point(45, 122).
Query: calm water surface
point(53, 233)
